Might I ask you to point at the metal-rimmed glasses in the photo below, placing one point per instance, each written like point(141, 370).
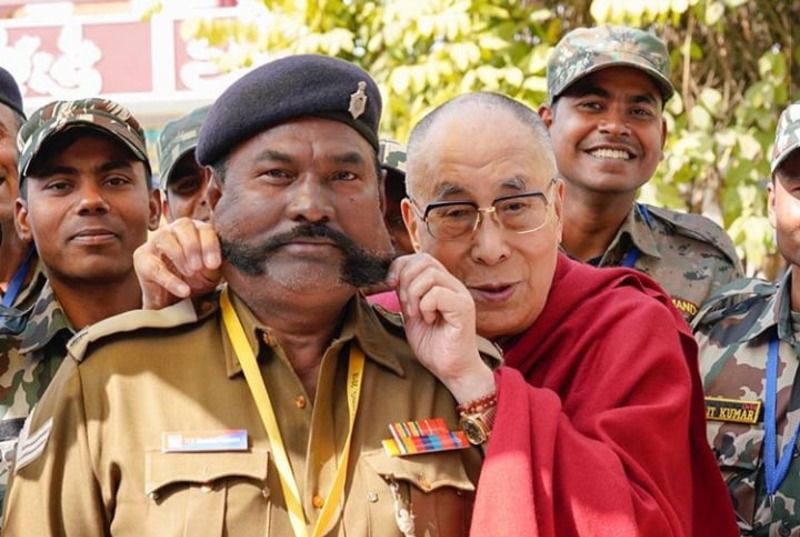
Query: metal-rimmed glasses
point(521, 213)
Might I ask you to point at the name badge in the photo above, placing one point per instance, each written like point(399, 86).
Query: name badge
point(204, 441)
point(733, 410)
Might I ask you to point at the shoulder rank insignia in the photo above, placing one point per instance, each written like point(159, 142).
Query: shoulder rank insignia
point(733, 410)
point(358, 100)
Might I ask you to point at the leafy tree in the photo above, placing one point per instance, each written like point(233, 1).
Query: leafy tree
point(734, 62)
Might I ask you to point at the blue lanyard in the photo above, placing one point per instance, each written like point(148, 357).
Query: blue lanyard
point(631, 257)
point(17, 280)
point(775, 470)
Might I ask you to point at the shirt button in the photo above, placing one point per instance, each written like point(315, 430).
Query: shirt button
point(265, 492)
point(424, 483)
point(318, 501)
point(266, 338)
point(153, 496)
point(372, 497)
point(300, 401)
point(208, 486)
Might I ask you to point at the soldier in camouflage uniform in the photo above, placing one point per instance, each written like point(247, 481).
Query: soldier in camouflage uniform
point(749, 362)
point(183, 182)
point(393, 160)
point(87, 205)
point(20, 277)
point(607, 87)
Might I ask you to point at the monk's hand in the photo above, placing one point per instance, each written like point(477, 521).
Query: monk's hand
point(179, 260)
point(439, 317)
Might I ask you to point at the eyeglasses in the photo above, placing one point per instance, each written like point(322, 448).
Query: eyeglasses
point(520, 213)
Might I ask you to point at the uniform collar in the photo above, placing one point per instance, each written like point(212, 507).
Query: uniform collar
point(640, 228)
point(360, 323)
point(46, 321)
point(776, 313)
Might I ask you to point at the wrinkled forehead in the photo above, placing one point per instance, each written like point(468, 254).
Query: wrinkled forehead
point(480, 173)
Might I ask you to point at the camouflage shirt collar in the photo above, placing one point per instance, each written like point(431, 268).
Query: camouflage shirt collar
point(360, 323)
point(46, 321)
point(637, 226)
point(776, 313)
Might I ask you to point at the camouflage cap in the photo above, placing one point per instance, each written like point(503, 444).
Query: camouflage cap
point(178, 138)
point(392, 156)
point(787, 135)
point(59, 116)
point(586, 50)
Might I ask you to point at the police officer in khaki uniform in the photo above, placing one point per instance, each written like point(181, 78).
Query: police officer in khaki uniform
point(183, 181)
point(266, 410)
point(749, 361)
point(607, 87)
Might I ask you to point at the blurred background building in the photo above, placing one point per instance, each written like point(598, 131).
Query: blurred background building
point(146, 60)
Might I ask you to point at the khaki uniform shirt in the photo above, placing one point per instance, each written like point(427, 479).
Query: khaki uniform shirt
point(687, 254)
point(28, 362)
point(733, 346)
point(93, 464)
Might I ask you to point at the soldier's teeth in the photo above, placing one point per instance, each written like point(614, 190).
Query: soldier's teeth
point(610, 153)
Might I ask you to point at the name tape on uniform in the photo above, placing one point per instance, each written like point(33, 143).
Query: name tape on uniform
point(733, 410)
point(203, 441)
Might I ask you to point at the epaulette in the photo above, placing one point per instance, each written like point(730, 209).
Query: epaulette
point(698, 227)
point(731, 298)
point(176, 315)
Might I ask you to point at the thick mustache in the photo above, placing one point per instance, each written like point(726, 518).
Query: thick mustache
point(359, 268)
point(305, 231)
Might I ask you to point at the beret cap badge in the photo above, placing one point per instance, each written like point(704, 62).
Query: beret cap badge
point(358, 100)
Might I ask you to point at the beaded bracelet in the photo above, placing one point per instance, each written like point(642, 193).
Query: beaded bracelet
point(478, 406)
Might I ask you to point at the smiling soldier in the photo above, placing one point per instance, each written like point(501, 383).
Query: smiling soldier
point(607, 88)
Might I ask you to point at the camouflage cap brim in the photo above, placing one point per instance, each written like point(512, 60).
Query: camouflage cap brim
point(664, 85)
point(787, 136)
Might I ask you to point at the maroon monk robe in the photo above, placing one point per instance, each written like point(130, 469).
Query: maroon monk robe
point(600, 428)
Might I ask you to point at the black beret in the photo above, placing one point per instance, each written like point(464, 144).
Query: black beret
point(9, 92)
point(291, 87)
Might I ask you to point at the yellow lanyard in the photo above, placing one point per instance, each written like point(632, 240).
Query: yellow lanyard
point(291, 493)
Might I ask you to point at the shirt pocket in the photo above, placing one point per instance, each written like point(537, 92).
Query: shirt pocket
point(738, 448)
point(193, 493)
point(434, 487)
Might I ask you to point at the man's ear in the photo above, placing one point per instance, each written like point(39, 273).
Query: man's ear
point(773, 218)
point(214, 189)
point(546, 113)
point(21, 222)
point(154, 203)
point(412, 222)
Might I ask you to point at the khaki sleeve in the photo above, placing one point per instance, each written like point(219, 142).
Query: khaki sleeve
point(53, 489)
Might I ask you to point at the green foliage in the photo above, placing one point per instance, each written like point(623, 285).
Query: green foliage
point(733, 62)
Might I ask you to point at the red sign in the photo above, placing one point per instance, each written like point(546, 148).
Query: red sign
point(146, 65)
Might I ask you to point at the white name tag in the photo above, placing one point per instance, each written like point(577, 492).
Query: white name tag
point(204, 441)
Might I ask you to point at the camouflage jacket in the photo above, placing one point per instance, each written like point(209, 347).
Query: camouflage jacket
point(687, 254)
point(28, 362)
point(733, 346)
point(28, 294)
